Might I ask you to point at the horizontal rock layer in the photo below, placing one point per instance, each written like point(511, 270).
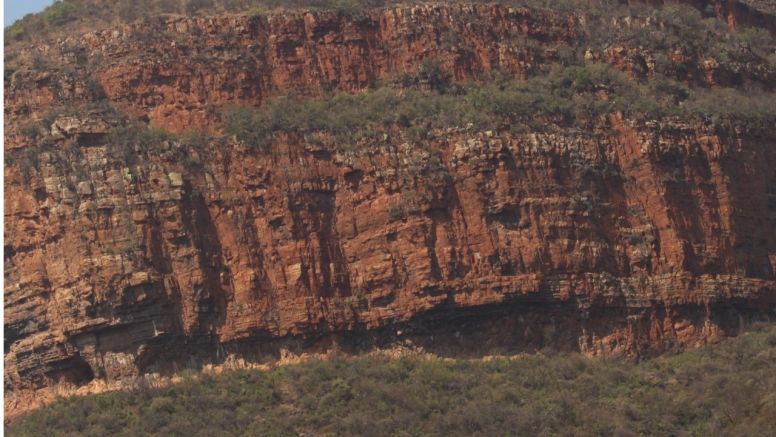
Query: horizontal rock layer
point(177, 72)
point(621, 238)
point(629, 240)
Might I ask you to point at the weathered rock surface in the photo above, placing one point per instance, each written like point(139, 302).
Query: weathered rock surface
point(626, 239)
point(632, 239)
point(177, 72)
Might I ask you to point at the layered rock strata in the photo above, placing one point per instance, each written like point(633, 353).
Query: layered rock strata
point(618, 238)
point(630, 240)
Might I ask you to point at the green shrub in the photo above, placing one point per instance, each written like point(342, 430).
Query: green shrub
point(61, 12)
point(757, 40)
point(406, 79)
point(168, 6)
point(8, 71)
point(582, 80)
point(431, 71)
point(30, 130)
point(129, 11)
point(126, 143)
point(95, 89)
point(245, 125)
point(354, 8)
point(192, 7)
point(254, 14)
point(15, 30)
point(395, 211)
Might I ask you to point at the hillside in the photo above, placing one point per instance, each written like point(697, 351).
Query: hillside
point(724, 391)
point(463, 179)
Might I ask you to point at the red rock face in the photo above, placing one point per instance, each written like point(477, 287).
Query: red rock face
point(176, 72)
point(170, 71)
point(627, 239)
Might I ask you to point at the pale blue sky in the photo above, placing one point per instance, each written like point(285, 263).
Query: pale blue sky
point(15, 9)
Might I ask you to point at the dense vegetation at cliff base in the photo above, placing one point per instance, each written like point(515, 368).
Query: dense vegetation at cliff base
point(726, 390)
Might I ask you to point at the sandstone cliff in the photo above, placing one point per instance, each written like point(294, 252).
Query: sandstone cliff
point(624, 237)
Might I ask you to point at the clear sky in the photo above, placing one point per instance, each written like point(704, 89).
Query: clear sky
point(15, 9)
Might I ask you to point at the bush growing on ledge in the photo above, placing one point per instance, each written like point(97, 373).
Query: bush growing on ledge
point(254, 14)
point(567, 95)
point(192, 7)
point(128, 142)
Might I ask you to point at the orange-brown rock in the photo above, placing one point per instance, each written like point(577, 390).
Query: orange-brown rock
point(630, 240)
point(626, 239)
point(175, 72)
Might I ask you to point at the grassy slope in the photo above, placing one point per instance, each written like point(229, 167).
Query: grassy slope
point(726, 390)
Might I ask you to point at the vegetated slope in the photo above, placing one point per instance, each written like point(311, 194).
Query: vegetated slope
point(513, 179)
point(80, 16)
point(722, 391)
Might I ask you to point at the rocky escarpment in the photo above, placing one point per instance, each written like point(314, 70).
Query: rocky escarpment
point(176, 72)
point(622, 236)
point(632, 240)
